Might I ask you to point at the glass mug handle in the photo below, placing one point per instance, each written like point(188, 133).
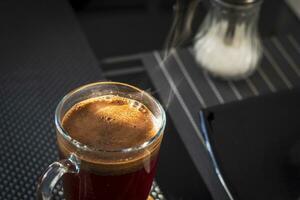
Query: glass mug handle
point(53, 173)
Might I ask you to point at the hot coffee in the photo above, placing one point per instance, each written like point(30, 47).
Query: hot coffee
point(113, 126)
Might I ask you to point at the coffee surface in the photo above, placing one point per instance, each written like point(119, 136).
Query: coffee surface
point(110, 123)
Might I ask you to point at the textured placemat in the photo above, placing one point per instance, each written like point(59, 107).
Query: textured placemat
point(43, 56)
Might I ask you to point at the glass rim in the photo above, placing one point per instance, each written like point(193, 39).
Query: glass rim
point(238, 6)
point(85, 147)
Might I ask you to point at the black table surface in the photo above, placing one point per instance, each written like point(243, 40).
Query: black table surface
point(185, 89)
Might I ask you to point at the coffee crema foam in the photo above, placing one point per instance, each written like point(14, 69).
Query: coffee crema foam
point(111, 123)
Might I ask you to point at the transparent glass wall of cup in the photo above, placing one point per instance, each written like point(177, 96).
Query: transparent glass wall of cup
point(83, 178)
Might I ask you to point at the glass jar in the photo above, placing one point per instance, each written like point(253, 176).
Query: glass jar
point(227, 44)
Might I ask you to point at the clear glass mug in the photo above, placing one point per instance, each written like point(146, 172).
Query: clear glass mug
point(125, 174)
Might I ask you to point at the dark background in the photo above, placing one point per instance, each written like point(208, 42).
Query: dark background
point(122, 27)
